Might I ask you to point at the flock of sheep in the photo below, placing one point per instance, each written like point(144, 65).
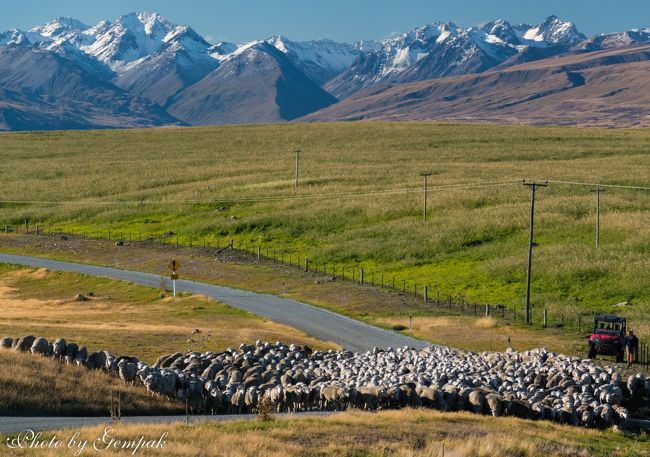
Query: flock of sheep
point(535, 384)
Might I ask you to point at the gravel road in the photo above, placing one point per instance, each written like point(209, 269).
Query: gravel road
point(14, 425)
point(320, 323)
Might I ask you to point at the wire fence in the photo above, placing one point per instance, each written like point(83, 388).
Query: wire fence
point(425, 297)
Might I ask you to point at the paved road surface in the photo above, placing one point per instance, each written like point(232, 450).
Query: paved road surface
point(15, 425)
point(326, 325)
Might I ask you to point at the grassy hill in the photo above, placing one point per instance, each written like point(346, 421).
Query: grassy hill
point(36, 386)
point(126, 319)
point(237, 182)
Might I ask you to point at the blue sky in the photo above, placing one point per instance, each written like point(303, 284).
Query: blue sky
point(343, 20)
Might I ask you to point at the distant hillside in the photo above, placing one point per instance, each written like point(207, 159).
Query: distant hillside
point(603, 88)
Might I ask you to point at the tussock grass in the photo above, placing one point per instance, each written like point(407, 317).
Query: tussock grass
point(485, 322)
point(483, 334)
point(406, 433)
point(474, 244)
point(38, 386)
point(125, 318)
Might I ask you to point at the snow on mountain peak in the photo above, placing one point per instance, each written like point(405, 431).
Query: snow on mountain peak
point(59, 26)
point(13, 36)
point(552, 32)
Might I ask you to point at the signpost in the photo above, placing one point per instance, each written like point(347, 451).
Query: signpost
point(174, 266)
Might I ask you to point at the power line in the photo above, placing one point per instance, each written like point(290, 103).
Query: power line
point(587, 184)
point(269, 198)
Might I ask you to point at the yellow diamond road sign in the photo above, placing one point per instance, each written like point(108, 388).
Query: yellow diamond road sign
point(174, 265)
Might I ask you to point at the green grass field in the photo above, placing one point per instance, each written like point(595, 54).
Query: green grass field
point(474, 244)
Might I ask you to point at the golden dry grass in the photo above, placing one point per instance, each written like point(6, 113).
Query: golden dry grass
point(406, 433)
point(125, 318)
point(487, 334)
point(37, 386)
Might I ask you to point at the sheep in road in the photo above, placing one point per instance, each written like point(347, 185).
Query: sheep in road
point(96, 360)
point(24, 344)
point(535, 384)
point(81, 356)
point(6, 342)
point(128, 371)
point(40, 346)
point(58, 349)
point(70, 353)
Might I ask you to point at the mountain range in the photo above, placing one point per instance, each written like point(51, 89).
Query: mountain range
point(144, 71)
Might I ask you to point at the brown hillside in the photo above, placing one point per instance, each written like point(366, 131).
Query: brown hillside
point(604, 88)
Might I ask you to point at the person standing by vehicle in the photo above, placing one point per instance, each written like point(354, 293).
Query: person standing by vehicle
point(631, 347)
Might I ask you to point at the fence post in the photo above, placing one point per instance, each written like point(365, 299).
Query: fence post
point(6, 229)
point(37, 230)
point(545, 317)
point(306, 264)
point(487, 310)
point(426, 294)
point(475, 309)
point(109, 234)
point(361, 276)
point(449, 301)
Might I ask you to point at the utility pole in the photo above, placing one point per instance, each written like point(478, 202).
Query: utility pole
point(426, 175)
point(598, 190)
point(533, 188)
point(297, 151)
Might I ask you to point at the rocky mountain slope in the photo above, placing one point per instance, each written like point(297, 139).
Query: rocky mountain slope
point(607, 88)
point(142, 70)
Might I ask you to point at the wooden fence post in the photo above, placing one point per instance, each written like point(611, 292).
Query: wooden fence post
point(306, 264)
point(426, 294)
point(487, 310)
point(545, 317)
point(361, 276)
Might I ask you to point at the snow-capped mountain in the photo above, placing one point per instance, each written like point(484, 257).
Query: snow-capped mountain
point(321, 60)
point(439, 49)
point(165, 67)
point(615, 40)
point(256, 84)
